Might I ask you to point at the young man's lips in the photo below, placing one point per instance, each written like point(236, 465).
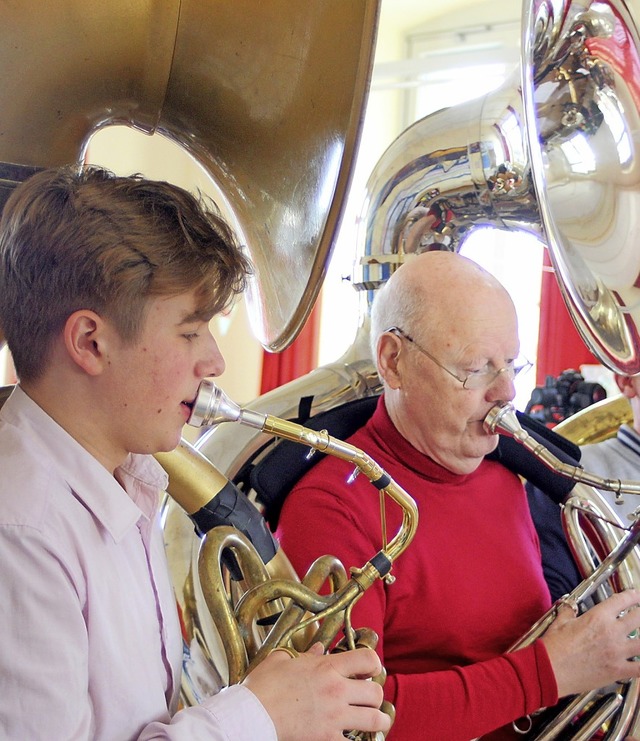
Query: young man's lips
point(187, 406)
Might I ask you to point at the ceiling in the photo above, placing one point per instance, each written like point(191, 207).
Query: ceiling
point(405, 14)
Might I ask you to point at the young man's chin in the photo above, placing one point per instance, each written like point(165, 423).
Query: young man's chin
point(167, 444)
point(172, 445)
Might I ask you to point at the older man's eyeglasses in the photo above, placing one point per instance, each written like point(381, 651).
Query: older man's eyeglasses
point(471, 379)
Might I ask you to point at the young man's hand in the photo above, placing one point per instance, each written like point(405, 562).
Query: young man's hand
point(318, 696)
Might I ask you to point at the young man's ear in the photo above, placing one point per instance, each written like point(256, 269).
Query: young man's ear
point(85, 340)
point(389, 349)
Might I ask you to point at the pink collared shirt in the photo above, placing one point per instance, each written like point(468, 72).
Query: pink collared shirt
point(90, 644)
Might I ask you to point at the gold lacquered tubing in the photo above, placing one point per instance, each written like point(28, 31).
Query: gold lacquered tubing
point(323, 442)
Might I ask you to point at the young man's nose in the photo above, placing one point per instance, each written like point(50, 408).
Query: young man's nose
point(212, 363)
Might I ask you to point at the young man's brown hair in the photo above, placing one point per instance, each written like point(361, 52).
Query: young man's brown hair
point(83, 238)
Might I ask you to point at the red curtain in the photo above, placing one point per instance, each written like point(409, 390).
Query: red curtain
point(560, 346)
point(299, 358)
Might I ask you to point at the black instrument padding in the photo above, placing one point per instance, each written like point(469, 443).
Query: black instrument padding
point(232, 507)
point(273, 477)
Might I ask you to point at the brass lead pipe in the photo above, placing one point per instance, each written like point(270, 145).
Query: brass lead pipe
point(502, 418)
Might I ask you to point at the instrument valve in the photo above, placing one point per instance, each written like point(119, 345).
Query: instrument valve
point(363, 578)
point(353, 476)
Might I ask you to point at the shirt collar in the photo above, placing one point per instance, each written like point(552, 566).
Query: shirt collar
point(117, 508)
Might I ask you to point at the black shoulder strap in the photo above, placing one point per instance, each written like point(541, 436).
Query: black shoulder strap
point(273, 477)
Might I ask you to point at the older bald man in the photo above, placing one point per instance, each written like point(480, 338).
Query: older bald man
point(445, 339)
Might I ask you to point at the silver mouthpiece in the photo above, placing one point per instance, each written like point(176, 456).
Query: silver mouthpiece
point(213, 406)
point(502, 418)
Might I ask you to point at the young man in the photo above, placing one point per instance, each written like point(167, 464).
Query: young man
point(444, 335)
point(107, 285)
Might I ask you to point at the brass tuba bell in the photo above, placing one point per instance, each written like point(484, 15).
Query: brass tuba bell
point(266, 97)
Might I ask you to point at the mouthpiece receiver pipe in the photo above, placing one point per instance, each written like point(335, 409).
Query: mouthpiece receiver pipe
point(502, 419)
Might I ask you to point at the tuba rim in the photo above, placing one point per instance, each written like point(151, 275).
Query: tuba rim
point(597, 422)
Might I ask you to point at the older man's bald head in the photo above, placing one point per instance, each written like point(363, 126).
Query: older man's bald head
point(429, 291)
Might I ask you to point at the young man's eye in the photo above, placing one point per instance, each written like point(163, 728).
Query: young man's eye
point(190, 336)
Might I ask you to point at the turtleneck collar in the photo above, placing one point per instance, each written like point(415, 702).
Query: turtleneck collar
point(382, 429)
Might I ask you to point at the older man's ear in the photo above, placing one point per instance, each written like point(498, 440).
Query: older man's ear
point(389, 351)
